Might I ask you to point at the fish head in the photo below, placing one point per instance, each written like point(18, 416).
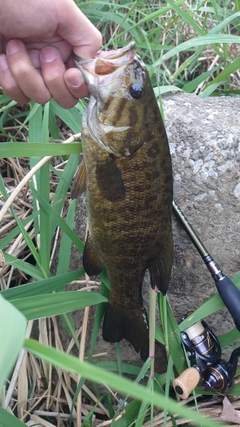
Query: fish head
point(119, 86)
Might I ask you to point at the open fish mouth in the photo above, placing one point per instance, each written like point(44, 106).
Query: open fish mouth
point(105, 62)
point(113, 55)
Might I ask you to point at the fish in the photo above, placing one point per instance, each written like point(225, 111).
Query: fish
point(127, 172)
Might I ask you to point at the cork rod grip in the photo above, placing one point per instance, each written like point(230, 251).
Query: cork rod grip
point(186, 382)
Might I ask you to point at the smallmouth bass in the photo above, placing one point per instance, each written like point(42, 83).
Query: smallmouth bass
point(128, 172)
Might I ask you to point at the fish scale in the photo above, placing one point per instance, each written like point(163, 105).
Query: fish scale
point(129, 190)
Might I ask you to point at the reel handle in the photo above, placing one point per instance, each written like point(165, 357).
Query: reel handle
point(186, 382)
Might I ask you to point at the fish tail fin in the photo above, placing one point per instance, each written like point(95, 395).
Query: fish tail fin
point(122, 323)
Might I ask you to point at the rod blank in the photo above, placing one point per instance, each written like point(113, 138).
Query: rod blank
point(229, 293)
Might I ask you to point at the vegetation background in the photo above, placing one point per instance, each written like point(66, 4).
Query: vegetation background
point(188, 45)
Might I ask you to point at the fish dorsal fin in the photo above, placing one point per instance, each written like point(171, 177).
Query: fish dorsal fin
point(160, 270)
point(92, 261)
point(110, 181)
point(80, 181)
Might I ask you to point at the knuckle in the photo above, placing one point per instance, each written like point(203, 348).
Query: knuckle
point(53, 79)
point(98, 39)
point(9, 86)
point(67, 103)
point(41, 97)
point(20, 69)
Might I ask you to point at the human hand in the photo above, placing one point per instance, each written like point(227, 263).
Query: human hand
point(36, 42)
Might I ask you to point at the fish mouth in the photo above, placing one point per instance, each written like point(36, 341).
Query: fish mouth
point(130, 48)
point(112, 55)
point(105, 63)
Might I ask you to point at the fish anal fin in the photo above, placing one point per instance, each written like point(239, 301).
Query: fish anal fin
point(92, 261)
point(132, 325)
point(110, 180)
point(160, 269)
point(79, 183)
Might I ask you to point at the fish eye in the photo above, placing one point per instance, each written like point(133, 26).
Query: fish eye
point(136, 90)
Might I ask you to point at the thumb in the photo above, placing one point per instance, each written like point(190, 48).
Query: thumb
point(77, 30)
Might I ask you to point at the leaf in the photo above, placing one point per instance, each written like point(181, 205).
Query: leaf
point(212, 305)
point(119, 383)
point(23, 266)
point(34, 149)
point(63, 187)
point(7, 419)
point(66, 243)
point(71, 116)
point(12, 332)
point(198, 41)
point(229, 414)
point(59, 221)
point(44, 286)
point(49, 305)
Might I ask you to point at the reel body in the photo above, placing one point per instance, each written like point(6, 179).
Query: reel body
point(209, 371)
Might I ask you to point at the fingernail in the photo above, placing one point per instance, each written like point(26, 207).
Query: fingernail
point(12, 47)
point(3, 63)
point(48, 54)
point(75, 80)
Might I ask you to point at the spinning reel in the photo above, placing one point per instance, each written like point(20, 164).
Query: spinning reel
point(210, 372)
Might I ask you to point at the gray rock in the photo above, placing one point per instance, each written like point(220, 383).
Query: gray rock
point(204, 136)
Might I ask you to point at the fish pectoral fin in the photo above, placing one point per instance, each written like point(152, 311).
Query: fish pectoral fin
point(110, 181)
point(130, 324)
point(160, 270)
point(80, 181)
point(92, 261)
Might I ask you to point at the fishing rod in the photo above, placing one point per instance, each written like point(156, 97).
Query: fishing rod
point(229, 293)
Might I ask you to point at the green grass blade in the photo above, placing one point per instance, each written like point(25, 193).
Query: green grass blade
point(59, 221)
point(225, 74)
point(98, 318)
point(193, 84)
point(186, 17)
point(44, 286)
point(174, 340)
point(199, 41)
point(95, 374)
point(229, 337)
point(7, 419)
point(35, 115)
point(130, 415)
point(23, 266)
point(12, 333)
point(212, 305)
point(34, 149)
point(49, 305)
point(222, 25)
point(66, 242)
point(68, 324)
point(63, 187)
point(45, 241)
point(22, 229)
point(13, 233)
point(112, 366)
point(71, 117)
